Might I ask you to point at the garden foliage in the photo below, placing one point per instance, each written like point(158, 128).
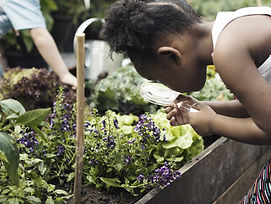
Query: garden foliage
point(34, 88)
point(119, 92)
point(119, 153)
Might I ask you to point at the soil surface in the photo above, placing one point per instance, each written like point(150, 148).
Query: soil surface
point(90, 195)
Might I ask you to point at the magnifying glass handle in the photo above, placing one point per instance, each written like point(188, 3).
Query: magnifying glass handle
point(190, 109)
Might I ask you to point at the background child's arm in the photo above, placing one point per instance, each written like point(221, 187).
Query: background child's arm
point(49, 51)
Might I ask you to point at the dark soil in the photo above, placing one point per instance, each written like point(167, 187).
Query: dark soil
point(94, 196)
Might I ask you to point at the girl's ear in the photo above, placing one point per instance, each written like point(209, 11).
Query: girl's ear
point(173, 54)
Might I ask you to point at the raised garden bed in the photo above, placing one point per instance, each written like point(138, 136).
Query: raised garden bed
point(222, 173)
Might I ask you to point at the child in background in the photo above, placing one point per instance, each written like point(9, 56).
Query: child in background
point(168, 41)
point(26, 14)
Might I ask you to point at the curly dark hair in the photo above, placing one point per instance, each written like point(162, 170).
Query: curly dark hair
point(133, 25)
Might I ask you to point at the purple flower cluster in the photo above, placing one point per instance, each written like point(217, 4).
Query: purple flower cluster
point(29, 140)
point(116, 124)
point(140, 177)
point(65, 117)
point(65, 125)
point(127, 160)
point(132, 141)
point(104, 124)
point(110, 141)
point(60, 150)
point(164, 176)
point(146, 127)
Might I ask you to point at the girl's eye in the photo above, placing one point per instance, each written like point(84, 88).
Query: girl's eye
point(173, 57)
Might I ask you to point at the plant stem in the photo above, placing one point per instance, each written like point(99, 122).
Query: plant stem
point(41, 134)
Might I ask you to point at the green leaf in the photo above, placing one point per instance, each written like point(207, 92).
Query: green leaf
point(6, 191)
point(33, 118)
point(114, 182)
point(49, 200)
point(12, 108)
point(33, 199)
point(42, 168)
point(157, 157)
point(3, 198)
point(177, 159)
point(169, 144)
point(71, 176)
point(185, 141)
point(50, 187)
point(13, 200)
point(29, 190)
point(58, 191)
point(33, 162)
point(91, 180)
point(9, 147)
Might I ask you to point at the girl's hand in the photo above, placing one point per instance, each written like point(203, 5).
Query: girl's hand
point(176, 110)
point(200, 121)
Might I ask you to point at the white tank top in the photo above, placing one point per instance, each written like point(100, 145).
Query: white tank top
point(224, 18)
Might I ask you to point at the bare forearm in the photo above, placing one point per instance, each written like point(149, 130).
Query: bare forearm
point(228, 108)
point(49, 51)
point(240, 129)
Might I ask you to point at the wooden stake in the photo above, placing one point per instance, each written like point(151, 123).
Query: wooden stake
point(80, 74)
point(259, 2)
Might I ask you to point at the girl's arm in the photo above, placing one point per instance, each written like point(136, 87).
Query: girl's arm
point(235, 61)
point(228, 108)
point(240, 129)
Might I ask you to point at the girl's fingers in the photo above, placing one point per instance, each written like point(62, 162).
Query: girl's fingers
point(184, 115)
point(197, 106)
point(173, 122)
point(168, 109)
point(171, 114)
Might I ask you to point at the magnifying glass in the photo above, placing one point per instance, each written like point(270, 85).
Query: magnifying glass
point(159, 94)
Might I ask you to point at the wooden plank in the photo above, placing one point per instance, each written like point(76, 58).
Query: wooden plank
point(240, 187)
point(209, 174)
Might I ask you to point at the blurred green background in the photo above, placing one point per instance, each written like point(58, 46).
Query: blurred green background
point(208, 8)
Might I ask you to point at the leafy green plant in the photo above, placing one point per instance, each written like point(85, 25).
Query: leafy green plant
point(119, 153)
point(30, 184)
point(33, 187)
point(13, 115)
point(120, 92)
point(180, 144)
point(34, 88)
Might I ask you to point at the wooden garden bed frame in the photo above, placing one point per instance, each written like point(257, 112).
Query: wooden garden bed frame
point(221, 174)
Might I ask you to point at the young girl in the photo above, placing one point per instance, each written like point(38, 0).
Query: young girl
point(167, 41)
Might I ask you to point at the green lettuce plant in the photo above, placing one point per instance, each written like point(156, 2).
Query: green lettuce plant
point(120, 92)
point(180, 144)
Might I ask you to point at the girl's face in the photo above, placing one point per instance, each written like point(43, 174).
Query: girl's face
point(187, 77)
